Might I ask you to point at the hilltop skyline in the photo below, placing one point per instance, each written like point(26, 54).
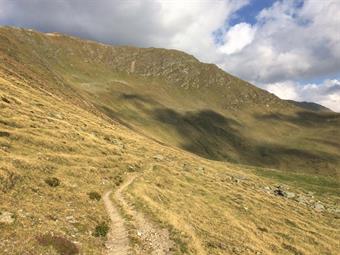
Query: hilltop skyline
point(290, 47)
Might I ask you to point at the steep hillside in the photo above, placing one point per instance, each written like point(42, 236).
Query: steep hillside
point(61, 150)
point(173, 98)
point(57, 159)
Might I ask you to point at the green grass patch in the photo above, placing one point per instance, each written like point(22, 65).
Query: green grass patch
point(321, 185)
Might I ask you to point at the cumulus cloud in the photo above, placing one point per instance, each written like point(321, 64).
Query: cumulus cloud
point(326, 93)
point(294, 40)
point(291, 41)
point(237, 38)
point(284, 90)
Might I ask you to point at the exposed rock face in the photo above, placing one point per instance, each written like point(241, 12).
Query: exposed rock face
point(159, 157)
point(6, 218)
point(306, 199)
point(290, 194)
point(319, 207)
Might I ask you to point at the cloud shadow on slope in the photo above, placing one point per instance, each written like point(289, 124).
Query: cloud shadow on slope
point(211, 135)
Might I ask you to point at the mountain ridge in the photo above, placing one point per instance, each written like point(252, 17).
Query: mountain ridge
point(63, 147)
point(175, 99)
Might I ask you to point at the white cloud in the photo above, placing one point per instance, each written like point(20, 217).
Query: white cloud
point(192, 24)
point(326, 93)
point(237, 38)
point(291, 42)
point(284, 90)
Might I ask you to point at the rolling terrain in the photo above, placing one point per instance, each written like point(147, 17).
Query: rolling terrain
point(188, 150)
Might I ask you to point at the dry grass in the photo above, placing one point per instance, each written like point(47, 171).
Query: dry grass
point(50, 138)
point(206, 211)
point(209, 207)
point(216, 215)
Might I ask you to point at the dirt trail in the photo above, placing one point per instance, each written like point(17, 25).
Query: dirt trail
point(118, 241)
point(154, 240)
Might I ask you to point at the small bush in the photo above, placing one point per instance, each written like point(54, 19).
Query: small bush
point(59, 243)
point(118, 180)
point(53, 182)
point(4, 134)
point(94, 195)
point(101, 230)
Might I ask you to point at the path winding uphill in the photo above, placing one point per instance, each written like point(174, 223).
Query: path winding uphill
point(153, 239)
point(118, 242)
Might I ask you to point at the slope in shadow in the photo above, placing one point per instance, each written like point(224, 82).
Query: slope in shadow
point(206, 133)
point(305, 118)
point(211, 135)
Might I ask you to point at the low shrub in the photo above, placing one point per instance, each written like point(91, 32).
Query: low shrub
point(118, 180)
point(101, 230)
point(53, 182)
point(94, 195)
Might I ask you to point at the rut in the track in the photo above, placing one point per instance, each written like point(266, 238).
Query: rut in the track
point(118, 241)
point(154, 240)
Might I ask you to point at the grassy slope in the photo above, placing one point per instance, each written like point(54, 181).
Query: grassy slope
point(173, 98)
point(44, 135)
point(48, 137)
point(45, 132)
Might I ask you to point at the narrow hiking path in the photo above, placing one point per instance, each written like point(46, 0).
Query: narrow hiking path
point(153, 240)
point(118, 241)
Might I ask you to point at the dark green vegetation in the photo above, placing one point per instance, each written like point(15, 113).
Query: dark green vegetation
point(175, 99)
point(94, 195)
point(321, 185)
point(101, 230)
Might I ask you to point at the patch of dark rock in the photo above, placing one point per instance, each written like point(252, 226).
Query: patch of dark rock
point(279, 192)
point(5, 100)
point(263, 229)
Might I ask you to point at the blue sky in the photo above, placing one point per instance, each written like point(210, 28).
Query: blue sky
point(249, 12)
point(288, 47)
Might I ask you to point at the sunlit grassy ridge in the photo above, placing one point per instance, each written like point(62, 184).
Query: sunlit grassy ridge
point(173, 98)
point(55, 126)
